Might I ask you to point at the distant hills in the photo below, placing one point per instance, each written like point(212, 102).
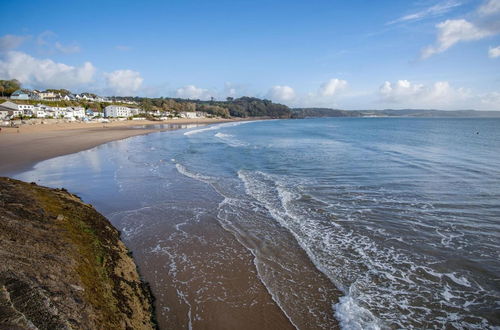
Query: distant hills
point(421, 113)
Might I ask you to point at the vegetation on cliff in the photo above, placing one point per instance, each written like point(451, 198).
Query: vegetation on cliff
point(63, 266)
point(239, 107)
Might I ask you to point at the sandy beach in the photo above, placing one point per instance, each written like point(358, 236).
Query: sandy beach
point(23, 147)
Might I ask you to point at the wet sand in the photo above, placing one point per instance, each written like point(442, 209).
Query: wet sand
point(23, 147)
point(202, 278)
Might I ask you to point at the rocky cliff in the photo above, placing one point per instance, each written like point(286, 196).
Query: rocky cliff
point(63, 266)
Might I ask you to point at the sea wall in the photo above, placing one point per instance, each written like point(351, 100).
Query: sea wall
point(63, 265)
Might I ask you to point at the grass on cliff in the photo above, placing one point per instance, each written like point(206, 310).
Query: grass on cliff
point(93, 266)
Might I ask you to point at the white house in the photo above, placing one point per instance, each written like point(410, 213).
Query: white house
point(135, 111)
point(20, 109)
point(192, 114)
point(78, 112)
point(69, 115)
point(39, 113)
point(117, 111)
point(56, 112)
point(22, 94)
point(48, 95)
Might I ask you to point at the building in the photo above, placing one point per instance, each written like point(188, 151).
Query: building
point(10, 110)
point(39, 113)
point(135, 111)
point(4, 112)
point(55, 112)
point(78, 112)
point(48, 95)
point(192, 114)
point(69, 97)
point(21, 109)
point(22, 94)
point(113, 111)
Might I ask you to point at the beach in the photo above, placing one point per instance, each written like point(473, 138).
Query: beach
point(21, 148)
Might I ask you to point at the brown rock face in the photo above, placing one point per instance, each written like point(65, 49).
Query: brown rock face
point(63, 266)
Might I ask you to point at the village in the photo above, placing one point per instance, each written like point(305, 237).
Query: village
point(26, 106)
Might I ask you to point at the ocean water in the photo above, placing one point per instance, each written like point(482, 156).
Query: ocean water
point(373, 223)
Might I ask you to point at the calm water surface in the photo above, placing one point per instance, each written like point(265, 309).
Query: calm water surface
point(401, 215)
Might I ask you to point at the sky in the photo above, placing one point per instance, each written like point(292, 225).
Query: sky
point(356, 54)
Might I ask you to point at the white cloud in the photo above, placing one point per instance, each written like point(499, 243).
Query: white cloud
point(44, 73)
point(407, 94)
point(281, 93)
point(10, 41)
point(491, 101)
point(485, 22)
point(192, 92)
point(433, 11)
point(123, 82)
point(233, 90)
point(494, 52)
point(451, 32)
point(399, 91)
point(332, 87)
point(68, 49)
point(489, 7)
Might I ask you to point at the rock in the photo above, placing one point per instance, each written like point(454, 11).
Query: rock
point(63, 265)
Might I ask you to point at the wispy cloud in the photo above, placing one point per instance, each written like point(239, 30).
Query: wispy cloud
point(485, 22)
point(47, 44)
point(67, 49)
point(433, 11)
point(451, 32)
point(193, 92)
point(10, 41)
point(494, 52)
point(489, 7)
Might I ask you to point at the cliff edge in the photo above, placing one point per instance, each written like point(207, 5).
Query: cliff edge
point(63, 265)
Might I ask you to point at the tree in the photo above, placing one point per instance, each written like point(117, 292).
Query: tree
point(147, 105)
point(9, 86)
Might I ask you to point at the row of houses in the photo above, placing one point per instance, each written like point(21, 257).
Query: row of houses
point(10, 110)
point(27, 94)
point(116, 111)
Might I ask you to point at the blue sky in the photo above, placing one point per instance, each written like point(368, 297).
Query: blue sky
point(349, 54)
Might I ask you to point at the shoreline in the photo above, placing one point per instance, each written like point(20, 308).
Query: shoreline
point(22, 148)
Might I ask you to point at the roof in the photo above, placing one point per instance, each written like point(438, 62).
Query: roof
point(10, 105)
point(22, 91)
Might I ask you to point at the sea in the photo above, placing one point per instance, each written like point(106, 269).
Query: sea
point(362, 223)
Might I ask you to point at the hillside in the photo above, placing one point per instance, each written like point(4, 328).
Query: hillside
point(63, 266)
point(422, 113)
